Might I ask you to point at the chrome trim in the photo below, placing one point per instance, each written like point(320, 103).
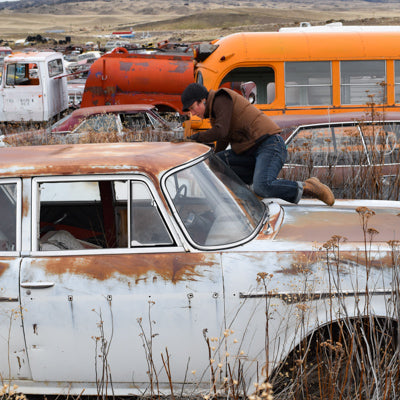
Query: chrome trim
point(300, 297)
point(5, 299)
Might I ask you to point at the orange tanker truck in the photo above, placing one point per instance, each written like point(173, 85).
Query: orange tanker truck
point(120, 77)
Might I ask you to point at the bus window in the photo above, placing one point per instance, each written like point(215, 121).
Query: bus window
point(361, 79)
point(253, 82)
point(397, 81)
point(308, 83)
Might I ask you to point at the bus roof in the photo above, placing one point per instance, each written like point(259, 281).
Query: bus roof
point(245, 47)
point(339, 27)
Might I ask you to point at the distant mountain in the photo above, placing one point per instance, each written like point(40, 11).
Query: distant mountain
point(22, 4)
point(25, 4)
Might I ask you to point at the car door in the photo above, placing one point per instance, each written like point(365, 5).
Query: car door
point(13, 358)
point(110, 286)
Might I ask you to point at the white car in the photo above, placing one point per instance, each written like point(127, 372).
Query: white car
point(151, 269)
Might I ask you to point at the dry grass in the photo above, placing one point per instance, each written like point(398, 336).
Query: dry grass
point(188, 21)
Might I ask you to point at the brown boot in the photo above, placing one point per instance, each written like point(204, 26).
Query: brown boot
point(314, 188)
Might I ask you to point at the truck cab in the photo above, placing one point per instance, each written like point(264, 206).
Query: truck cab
point(33, 88)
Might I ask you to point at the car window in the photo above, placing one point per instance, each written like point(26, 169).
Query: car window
point(100, 123)
point(93, 214)
point(156, 123)
point(22, 74)
point(213, 205)
point(8, 215)
point(311, 146)
point(134, 122)
point(55, 67)
point(349, 145)
point(147, 226)
point(382, 140)
point(327, 145)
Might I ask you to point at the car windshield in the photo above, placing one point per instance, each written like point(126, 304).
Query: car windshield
point(214, 205)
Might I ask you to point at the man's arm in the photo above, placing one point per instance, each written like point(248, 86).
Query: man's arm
point(222, 112)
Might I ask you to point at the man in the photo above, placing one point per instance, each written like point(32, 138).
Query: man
point(257, 152)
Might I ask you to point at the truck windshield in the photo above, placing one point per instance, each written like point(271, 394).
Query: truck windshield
point(214, 206)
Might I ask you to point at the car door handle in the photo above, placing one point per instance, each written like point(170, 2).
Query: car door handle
point(37, 285)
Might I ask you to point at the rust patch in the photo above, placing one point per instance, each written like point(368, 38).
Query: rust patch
point(359, 258)
point(270, 230)
point(319, 226)
point(25, 206)
point(144, 64)
point(96, 91)
point(3, 267)
point(273, 220)
point(125, 66)
point(147, 157)
point(172, 267)
point(301, 262)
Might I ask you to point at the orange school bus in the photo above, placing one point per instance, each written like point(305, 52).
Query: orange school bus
point(307, 72)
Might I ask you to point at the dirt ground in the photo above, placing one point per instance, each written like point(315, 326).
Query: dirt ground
point(185, 20)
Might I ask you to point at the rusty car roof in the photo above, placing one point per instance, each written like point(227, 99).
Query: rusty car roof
point(152, 158)
point(286, 120)
point(85, 111)
point(289, 122)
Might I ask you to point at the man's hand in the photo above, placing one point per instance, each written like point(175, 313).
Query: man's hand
point(194, 137)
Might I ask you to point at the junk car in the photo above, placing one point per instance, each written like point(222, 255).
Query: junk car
point(118, 123)
point(356, 154)
point(150, 268)
point(120, 119)
point(114, 118)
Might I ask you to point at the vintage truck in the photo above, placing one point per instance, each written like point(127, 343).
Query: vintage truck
point(120, 77)
point(33, 88)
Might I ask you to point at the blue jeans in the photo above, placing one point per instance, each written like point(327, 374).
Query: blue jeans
point(260, 166)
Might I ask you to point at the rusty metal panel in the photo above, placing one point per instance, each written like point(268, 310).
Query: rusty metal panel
point(320, 224)
point(123, 78)
point(298, 286)
point(152, 158)
point(65, 299)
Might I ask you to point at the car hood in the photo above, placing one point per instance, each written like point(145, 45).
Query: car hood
point(311, 221)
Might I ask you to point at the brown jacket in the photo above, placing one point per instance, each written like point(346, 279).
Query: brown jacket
point(234, 120)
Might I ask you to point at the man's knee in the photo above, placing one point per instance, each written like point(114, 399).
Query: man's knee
point(262, 189)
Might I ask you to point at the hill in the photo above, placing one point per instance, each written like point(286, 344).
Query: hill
point(186, 20)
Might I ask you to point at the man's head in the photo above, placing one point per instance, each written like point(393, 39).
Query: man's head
point(193, 99)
